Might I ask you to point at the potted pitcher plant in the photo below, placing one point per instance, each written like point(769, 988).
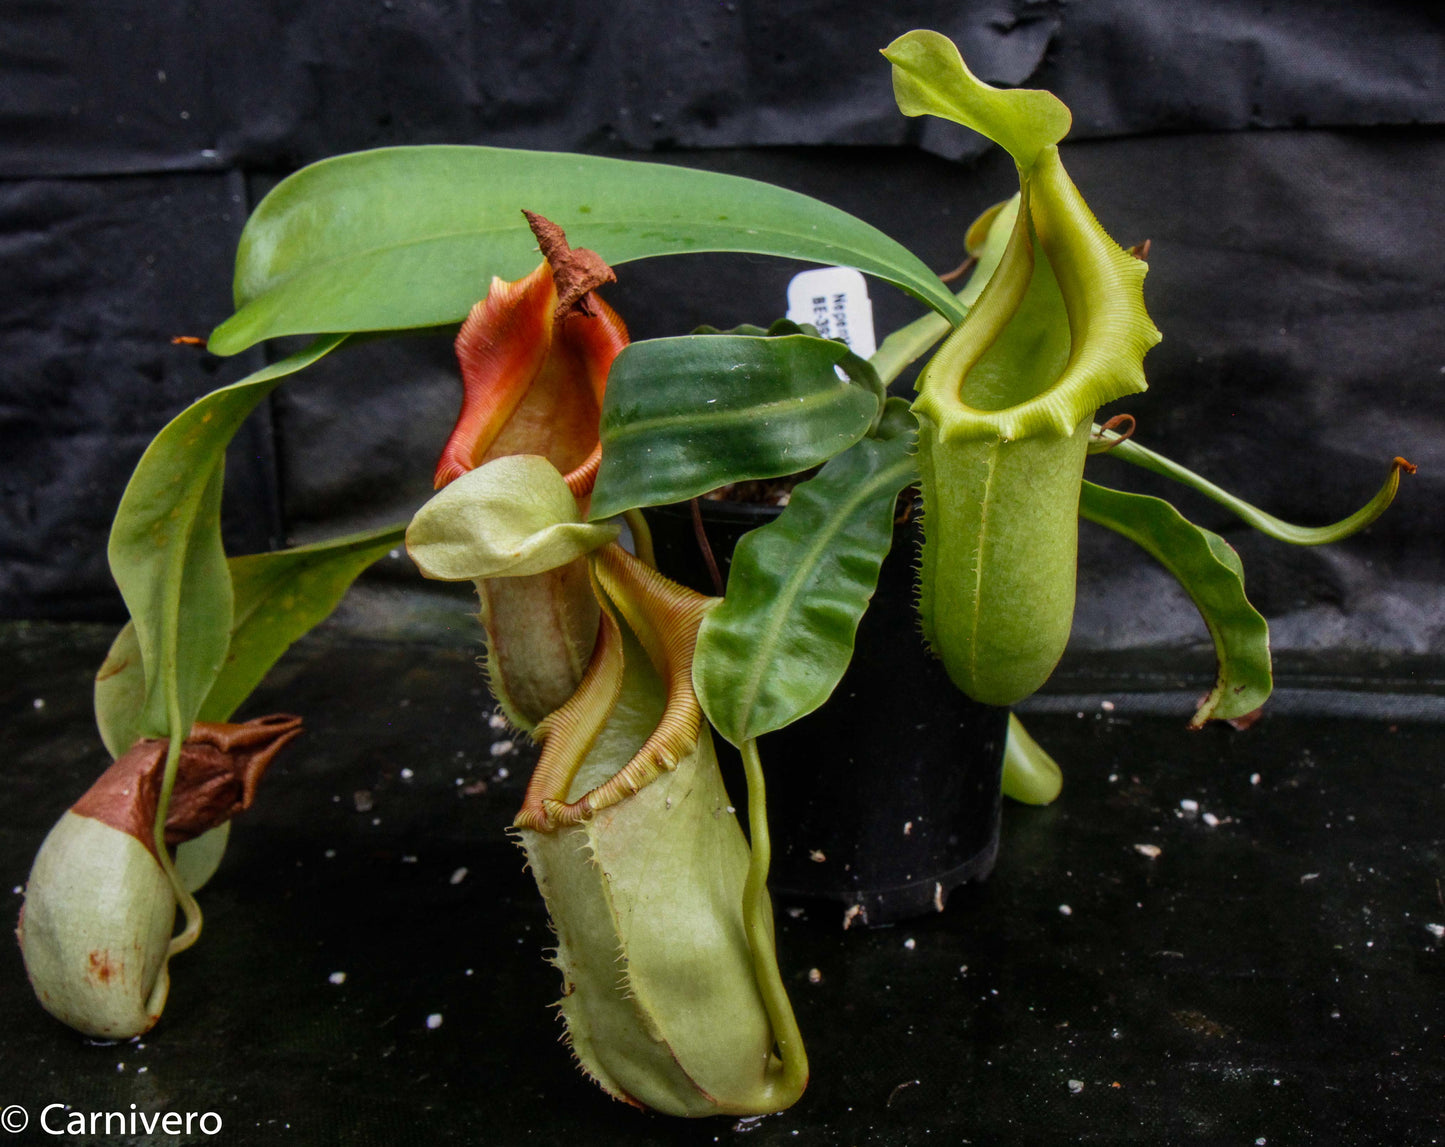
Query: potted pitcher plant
point(672, 995)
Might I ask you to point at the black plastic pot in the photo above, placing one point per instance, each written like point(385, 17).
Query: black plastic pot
point(888, 797)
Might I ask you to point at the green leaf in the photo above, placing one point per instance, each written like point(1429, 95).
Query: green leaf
point(1059, 330)
point(197, 860)
point(778, 644)
point(1130, 451)
point(165, 547)
point(411, 236)
point(120, 692)
point(512, 517)
point(930, 78)
point(279, 597)
point(986, 240)
point(172, 573)
point(1030, 775)
point(282, 596)
point(1211, 573)
point(683, 416)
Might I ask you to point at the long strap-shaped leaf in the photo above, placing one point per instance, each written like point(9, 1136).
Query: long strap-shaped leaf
point(1130, 451)
point(165, 547)
point(409, 237)
point(1211, 573)
point(282, 596)
point(279, 597)
point(683, 416)
point(167, 559)
point(777, 646)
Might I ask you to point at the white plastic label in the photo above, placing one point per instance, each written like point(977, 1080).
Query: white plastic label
point(835, 300)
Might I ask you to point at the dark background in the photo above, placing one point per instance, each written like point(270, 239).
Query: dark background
point(1272, 973)
point(1286, 160)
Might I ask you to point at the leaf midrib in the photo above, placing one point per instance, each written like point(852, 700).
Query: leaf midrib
point(277, 280)
point(726, 417)
point(792, 587)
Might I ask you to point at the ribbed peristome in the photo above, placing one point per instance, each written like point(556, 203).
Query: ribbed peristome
point(1059, 259)
point(665, 618)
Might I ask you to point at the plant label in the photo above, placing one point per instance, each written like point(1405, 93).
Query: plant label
point(835, 300)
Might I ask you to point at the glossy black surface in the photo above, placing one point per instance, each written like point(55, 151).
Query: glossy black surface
point(1270, 975)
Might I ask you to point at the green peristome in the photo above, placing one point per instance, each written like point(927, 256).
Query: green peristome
point(95, 927)
point(1059, 330)
point(1005, 406)
point(660, 989)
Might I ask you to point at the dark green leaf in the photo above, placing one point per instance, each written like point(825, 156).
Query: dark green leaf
point(778, 644)
point(411, 236)
point(165, 547)
point(858, 369)
point(683, 416)
point(1211, 573)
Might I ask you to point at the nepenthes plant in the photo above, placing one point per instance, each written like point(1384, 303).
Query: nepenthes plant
point(672, 994)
